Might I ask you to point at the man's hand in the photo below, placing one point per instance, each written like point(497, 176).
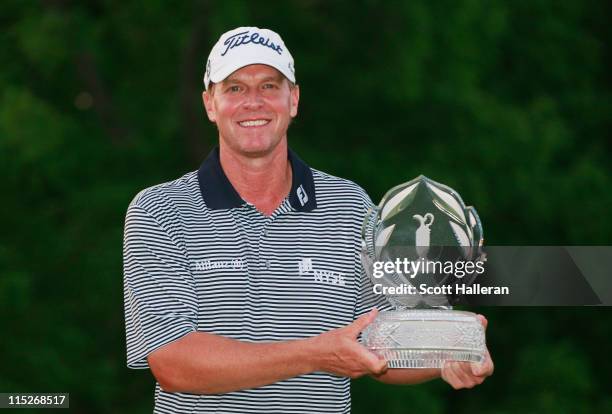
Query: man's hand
point(342, 355)
point(466, 374)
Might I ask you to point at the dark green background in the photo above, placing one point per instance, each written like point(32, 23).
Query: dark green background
point(507, 102)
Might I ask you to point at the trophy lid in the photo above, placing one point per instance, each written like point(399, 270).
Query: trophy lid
point(420, 220)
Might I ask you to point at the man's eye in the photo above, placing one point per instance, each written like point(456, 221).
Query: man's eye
point(269, 86)
point(234, 88)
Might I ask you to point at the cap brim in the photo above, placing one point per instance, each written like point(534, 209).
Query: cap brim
point(224, 71)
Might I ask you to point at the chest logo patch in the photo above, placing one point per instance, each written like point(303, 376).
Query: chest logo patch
point(307, 268)
point(208, 264)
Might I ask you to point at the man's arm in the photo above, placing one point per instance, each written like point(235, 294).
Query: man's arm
point(204, 363)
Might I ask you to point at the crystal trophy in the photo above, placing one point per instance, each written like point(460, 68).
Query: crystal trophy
point(419, 227)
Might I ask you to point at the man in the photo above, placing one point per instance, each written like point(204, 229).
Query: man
point(244, 290)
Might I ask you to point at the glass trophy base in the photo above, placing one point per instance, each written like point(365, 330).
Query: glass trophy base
point(426, 338)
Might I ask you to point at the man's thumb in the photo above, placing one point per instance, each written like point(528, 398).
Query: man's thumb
point(364, 320)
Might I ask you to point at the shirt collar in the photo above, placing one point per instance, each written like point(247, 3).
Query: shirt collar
point(218, 192)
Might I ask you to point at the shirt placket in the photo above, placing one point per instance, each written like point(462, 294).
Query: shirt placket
point(264, 259)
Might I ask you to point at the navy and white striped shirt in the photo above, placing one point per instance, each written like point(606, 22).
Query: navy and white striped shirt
point(199, 258)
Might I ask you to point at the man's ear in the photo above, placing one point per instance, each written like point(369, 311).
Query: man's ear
point(207, 98)
point(295, 99)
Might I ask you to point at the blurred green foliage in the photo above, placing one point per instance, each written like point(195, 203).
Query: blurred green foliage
point(507, 102)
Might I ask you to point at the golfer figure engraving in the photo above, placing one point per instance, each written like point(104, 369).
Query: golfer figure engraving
point(422, 234)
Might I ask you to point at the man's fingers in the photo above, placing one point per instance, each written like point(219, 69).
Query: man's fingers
point(483, 321)
point(461, 370)
point(485, 368)
point(479, 370)
point(449, 376)
point(369, 361)
point(382, 368)
point(375, 364)
point(382, 365)
point(364, 320)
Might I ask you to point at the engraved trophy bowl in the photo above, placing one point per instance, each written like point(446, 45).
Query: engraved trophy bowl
point(422, 223)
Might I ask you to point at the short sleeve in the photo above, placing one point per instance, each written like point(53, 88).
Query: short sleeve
point(159, 294)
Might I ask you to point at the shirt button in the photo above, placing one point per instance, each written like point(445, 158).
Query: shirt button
point(268, 264)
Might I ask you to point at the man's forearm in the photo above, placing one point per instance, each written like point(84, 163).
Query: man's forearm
point(407, 376)
point(204, 363)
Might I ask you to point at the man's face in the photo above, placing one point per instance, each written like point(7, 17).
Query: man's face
point(252, 109)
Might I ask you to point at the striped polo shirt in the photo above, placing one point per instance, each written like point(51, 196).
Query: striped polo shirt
point(199, 258)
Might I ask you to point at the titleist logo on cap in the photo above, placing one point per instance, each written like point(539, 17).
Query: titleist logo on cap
point(240, 47)
point(244, 38)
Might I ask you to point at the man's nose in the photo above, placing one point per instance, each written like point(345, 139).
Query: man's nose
point(253, 99)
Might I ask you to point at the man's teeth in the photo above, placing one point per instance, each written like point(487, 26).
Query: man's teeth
point(258, 122)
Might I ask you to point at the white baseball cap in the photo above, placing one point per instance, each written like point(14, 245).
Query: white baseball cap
point(247, 46)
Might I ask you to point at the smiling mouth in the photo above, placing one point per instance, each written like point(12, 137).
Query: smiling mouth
point(254, 123)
